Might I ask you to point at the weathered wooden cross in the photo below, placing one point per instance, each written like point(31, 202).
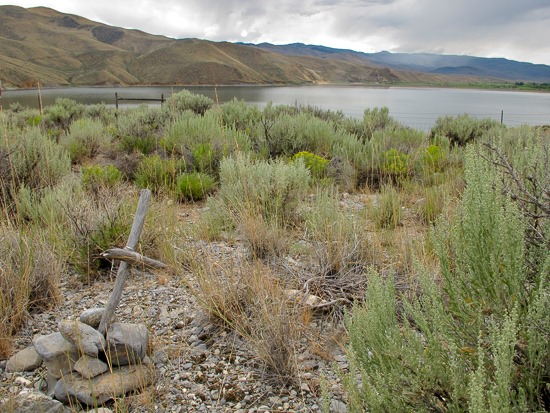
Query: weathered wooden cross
point(127, 256)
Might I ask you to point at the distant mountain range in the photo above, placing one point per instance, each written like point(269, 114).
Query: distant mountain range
point(495, 68)
point(57, 49)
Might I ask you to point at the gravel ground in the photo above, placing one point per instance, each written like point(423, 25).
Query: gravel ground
point(200, 367)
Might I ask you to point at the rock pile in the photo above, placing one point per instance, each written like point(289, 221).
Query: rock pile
point(87, 367)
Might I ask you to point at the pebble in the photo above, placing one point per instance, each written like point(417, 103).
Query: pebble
point(22, 381)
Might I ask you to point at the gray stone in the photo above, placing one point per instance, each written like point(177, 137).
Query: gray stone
point(87, 339)
point(33, 401)
point(104, 387)
point(336, 406)
point(25, 360)
point(51, 381)
point(58, 354)
point(92, 317)
point(89, 367)
point(127, 343)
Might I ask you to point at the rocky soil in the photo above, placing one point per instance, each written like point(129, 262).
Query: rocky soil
point(199, 366)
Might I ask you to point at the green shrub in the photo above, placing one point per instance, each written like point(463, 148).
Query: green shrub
point(269, 189)
point(487, 246)
point(377, 119)
point(405, 140)
point(205, 159)
point(84, 139)
point(350, 149)
point(523, 157)
point(317, 165)
point(100, 112)
point(239, 115)
point(45, 209)
point(205, 139)
point(395, 164)
point(303, 132)
point(327, 115)
point(471, 338)
point(462, 129)
point(97, 176)
point(140, 129)
point(194, 186)
point(159, 174)
point(62, 113)
point(433, 159)
point(24, 117)
point(185, 100)
point(32, 160)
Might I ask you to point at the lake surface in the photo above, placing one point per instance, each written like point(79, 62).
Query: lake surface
point(415, 107)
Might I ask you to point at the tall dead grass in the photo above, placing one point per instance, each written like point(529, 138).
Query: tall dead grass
point(29, 280)
point(248, 298)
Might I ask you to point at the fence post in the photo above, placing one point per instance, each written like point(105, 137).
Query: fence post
point(39, 98)
point(116, 100)
point(501, 117)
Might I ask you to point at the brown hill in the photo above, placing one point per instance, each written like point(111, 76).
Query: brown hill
point(42, 45)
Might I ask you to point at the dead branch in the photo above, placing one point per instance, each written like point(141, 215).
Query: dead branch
point(131, 257)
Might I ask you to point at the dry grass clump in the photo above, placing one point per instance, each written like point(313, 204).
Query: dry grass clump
point(335, 236)
point(29, 280)
point(386, 212)
point(248, 298)
point(262, 237)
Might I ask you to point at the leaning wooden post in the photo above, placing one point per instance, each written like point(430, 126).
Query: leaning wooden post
point(137, 226)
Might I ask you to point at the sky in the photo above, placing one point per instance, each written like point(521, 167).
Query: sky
point(514, 29)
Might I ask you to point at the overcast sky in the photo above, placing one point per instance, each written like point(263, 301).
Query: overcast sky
point(515, 29)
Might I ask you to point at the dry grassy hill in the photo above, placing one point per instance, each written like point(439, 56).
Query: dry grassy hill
point(42, 45)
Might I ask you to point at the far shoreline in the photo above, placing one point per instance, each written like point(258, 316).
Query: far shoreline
point(495, 88)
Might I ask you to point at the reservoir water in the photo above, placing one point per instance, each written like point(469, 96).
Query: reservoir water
point(415, 107)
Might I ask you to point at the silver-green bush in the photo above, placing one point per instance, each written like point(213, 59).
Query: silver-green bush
point(473, 339)
point(31, 159)
point(84, 139)
point(270, 190)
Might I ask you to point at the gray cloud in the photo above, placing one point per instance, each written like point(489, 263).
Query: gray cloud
point(509, 28)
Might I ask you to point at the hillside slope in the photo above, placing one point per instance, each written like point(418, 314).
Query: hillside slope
point(42, 45)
